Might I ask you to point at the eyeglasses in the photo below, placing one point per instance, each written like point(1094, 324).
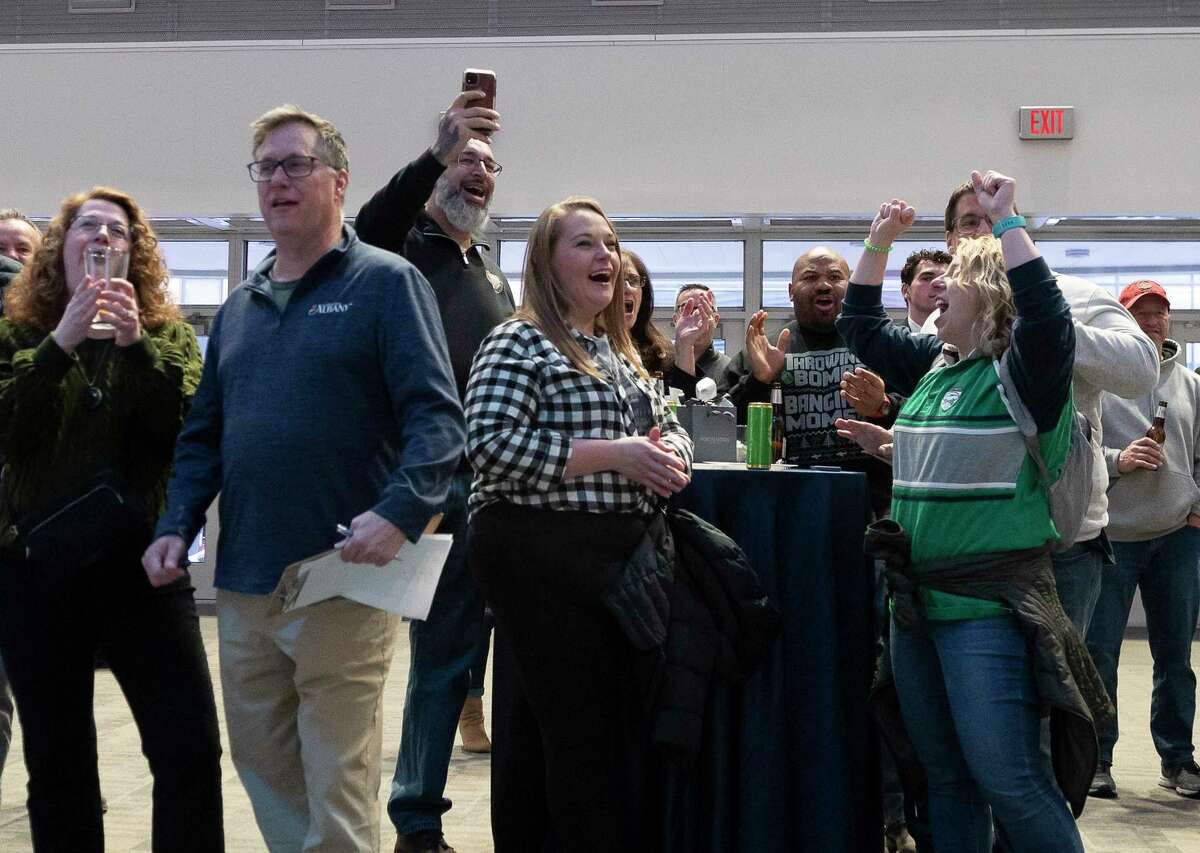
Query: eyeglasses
point(969, 222)
point(470, 161)
point(295, 166)
point(91, 225)
point(634, 281)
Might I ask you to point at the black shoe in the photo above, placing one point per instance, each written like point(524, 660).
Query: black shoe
point(1103, 787)
point(426, 841)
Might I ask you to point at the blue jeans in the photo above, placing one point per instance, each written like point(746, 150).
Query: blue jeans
point(445, 653)
point(1168, 571)
point(1077, 574)
point(969, 703)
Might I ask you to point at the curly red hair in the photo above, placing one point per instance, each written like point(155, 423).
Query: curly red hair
point(38, 295)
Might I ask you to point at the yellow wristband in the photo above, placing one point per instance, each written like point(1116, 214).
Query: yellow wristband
point(871, 247)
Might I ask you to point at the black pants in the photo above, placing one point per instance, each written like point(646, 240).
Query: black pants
point(569, 728)
point(53, 620)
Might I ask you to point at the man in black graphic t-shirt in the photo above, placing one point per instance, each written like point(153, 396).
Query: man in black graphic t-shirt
point(808, 360)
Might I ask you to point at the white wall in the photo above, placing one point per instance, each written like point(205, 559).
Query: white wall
point(673, 125)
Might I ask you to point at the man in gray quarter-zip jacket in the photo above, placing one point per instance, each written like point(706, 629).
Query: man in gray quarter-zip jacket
point(430, 213)
point(327, 398)
point(1154, 524)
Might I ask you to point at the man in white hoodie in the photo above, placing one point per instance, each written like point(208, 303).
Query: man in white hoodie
point(1154, 524)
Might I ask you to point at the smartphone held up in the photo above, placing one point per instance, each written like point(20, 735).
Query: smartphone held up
point(482, 80)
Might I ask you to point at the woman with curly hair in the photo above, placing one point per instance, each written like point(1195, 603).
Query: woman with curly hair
point(87, 428)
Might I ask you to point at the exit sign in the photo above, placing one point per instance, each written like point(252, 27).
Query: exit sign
point(1047, 123)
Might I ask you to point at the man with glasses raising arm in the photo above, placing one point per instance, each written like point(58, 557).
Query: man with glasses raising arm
point(327, 397)
point(432, 212)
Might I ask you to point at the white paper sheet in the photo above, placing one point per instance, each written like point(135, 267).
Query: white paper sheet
point(404, 586)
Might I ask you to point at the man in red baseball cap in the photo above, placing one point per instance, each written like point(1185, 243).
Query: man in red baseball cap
point(1154, 525)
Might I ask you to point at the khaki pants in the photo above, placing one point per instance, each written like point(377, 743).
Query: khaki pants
point(303, 694)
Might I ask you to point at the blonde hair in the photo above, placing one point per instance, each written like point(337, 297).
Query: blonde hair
point(38, 296)
point(330, 144)
point(546, 304)
point(979, 264)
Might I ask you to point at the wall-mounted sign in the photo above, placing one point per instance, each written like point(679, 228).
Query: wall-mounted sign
point(1047, 123)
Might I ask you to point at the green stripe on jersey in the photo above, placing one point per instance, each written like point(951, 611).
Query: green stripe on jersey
point(963, 481)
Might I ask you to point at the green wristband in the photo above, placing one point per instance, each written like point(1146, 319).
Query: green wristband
point(871, 247)
point(1008, 224)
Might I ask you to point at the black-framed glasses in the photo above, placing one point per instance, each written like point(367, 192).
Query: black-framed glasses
point(91, 225)
point(295, 166)
point(470, 161)
point(635, 281)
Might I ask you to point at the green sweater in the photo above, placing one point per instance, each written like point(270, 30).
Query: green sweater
point(53, 443)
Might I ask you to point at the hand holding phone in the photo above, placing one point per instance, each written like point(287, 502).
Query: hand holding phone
point(469, 116)
point(481, 80)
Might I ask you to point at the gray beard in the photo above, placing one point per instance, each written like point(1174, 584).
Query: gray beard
point(459, 212)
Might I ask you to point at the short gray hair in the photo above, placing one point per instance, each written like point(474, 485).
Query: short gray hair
point(330, 144)
point(13, 213)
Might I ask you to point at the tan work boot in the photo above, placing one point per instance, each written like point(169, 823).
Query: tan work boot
point(470, 727)
point(897, 840)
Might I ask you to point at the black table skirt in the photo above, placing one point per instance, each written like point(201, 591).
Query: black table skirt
point(790, 759)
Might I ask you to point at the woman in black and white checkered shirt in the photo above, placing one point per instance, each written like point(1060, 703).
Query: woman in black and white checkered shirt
point(574, 452)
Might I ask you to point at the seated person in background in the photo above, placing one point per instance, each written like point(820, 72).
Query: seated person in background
point(650, 343)
point(695, 355)
point(968, 497)
point(922, 268)
point(574, 450)
point(809, 360)
point(1153, 516)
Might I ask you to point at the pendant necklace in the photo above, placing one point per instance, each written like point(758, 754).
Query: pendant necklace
point(93, 397)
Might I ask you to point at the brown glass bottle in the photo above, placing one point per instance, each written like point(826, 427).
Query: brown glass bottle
point(778, 438)
point(660, 383)
point(1158, 431)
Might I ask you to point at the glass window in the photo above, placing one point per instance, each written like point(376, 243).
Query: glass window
point(199, 270)
point(1175, 264)
point(256, 250)
point(672, 264)
point(780, 255)
point(512, 262)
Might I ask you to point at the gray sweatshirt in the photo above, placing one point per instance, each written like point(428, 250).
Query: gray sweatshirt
point(1113, 359)
point(1146, 504)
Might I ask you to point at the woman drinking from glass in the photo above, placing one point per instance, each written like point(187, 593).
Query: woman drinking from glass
point(89, 413)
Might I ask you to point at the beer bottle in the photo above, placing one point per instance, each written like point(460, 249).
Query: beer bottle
point(1157, 431)
point(778, 439)
point(660, 383)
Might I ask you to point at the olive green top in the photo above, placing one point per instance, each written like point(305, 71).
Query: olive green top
point(53, 443)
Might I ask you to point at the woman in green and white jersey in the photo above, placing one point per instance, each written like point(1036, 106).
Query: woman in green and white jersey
point(966, 492)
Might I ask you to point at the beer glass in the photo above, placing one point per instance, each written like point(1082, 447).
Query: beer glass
point(104, 263)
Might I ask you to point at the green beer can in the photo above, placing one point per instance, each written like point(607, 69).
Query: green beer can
point(758, 435)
